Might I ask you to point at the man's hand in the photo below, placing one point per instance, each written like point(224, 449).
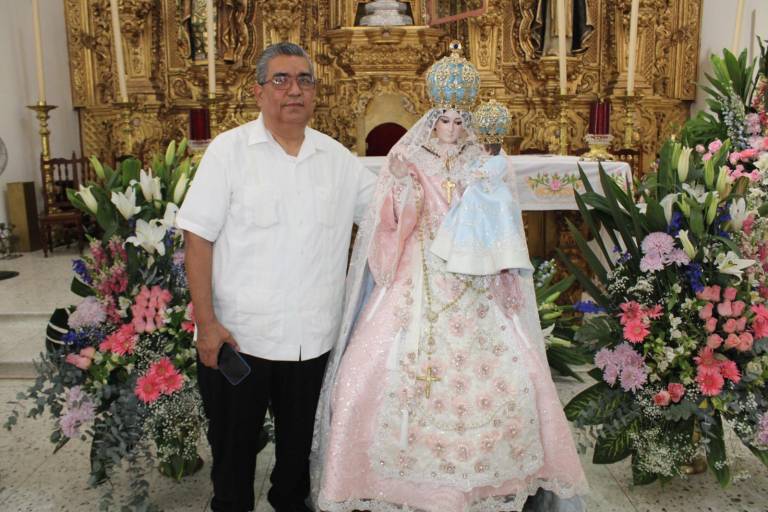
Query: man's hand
point(210, 338)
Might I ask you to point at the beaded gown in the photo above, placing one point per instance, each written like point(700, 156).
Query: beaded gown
point(441, 400)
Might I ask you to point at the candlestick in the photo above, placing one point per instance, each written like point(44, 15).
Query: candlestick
point(563, 100)
point(561, 49)
point(634, 14)
point(126, 125)
point(38, 53)
point(42, 111)
point(737, 27)
point(211, 49)
point(211, 103)
point(629, 120)
point(119, 59)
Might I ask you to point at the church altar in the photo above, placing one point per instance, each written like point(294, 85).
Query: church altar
point(547, 182)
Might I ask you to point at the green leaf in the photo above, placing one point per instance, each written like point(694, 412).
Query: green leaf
point(639, 476)
point(612, 447)
point(585, 281)
point(655, 214)
point(79, 288)
point(593, 229)
point(760, 454)
point(697, 222)
point(596, 373)
point(716, 457)
point(129, 168)
point(587, 400)
point(599, 330)
point(586, 252)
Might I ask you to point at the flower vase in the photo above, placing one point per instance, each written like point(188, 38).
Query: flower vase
point(177, 467)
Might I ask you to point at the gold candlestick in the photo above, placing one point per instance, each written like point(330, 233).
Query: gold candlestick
point(126, 125)
point(563, 123)
point(629, 119)
point(212, 103)
point(42, 110)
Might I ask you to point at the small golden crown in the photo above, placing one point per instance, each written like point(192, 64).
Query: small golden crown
point(491, 121)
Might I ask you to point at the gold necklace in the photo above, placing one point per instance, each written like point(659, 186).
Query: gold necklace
point(448, 184)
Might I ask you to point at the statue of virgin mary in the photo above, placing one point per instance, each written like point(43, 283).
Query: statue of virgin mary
point(438, 396)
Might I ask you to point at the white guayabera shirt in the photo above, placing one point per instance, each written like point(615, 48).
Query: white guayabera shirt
point(280, 227)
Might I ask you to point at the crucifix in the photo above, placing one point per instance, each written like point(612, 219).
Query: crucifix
point(428, 380)
point(448, 186)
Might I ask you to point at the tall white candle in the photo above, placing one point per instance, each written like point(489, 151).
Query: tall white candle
point(119, 59)
point(632, 63)
point(752, 22)
point(561, 49)
point(38, 53)
point(211, 32)
point(737, 27)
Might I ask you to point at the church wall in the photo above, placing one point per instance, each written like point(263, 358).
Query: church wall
point(717, 25)
point(18, 88)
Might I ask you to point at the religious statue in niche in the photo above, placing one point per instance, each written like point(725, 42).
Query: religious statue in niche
point(578, 26)
point(383, 13)
point(228, 32)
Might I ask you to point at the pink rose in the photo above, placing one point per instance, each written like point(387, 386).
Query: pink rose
point(734, 157)
point(88, 352)
point(700, 148)
point(729, 326)
point(737, 308)
point(706, 157)
point(741, 324)
point(676, 391)
point(706, 312)
point(79, 361)
point(745, 342)
point(729, 293)
point(714, 341)
point(715, 145)
point(732, 341)
point(711, 325)
point(724, 308)
point(662, 398)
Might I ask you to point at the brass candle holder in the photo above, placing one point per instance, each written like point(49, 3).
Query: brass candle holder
point(630, 105)
point(211, 102)
point(42, 109)
point(563, 123)
point(126, 125)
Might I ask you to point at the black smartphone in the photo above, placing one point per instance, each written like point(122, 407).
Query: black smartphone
point(232, 365)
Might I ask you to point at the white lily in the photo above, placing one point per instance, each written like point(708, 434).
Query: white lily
point(738, 213)
point(668, 203)
point(699, 193)
point(90, 201)
point(683, 163)
point(150, 186)
point(126, 202)
point(722, 181)
point(181, 188)
point(149, 236)
point(732, 265)
point(169, 218)
point(688, 247)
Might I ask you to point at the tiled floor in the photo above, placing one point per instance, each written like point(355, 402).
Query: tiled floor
point(32, 478)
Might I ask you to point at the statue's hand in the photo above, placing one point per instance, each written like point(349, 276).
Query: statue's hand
point(398, 165)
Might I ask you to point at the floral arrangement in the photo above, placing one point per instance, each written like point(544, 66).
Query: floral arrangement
point(120, 370)
point(679, 322)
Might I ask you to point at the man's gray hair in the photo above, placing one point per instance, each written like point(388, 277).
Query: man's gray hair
point(275, 50)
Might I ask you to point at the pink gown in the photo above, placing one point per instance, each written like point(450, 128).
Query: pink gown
point(443, 400)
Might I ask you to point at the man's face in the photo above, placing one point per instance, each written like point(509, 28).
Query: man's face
point(292, 105)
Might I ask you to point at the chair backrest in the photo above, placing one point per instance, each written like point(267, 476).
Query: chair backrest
point(633, 157)
point(65, 173)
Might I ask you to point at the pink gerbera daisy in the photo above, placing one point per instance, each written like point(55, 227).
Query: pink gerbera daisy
point(148, 388)
point(730, 371)
point(710, 383)
point(635, 331)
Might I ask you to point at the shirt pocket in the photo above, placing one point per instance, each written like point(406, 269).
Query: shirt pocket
point(257, 206)
point(257, 314)
point(326, 204)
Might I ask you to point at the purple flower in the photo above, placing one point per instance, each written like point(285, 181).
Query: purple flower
point(178, 257)
point(81, 269)
point(694, 273)
point(88, 313)
point(79, 410)
point(603, 358)
point(651, 262)
point(762, 430)
point(678, 257)
point(659, 243)
point(587, 306)
point(633, 378)
point(610, 374)
point(625, 355)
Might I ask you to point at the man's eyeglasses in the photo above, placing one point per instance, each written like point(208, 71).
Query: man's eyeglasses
point(283, 82)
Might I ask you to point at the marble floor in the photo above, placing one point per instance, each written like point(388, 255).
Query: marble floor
point(32, 478)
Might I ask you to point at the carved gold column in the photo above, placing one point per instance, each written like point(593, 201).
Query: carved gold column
point(562, 102)
point(42, 110)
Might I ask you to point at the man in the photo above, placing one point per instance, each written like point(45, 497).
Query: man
point(267, 223)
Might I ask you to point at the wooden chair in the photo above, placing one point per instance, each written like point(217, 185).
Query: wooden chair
point(57, 210)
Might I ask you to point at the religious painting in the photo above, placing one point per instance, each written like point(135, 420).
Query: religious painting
point(444, 11)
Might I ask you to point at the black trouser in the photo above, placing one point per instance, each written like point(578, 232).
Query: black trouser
point(236, 416)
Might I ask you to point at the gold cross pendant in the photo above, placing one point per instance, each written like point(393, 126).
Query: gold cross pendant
point(428, 380)
point(448, 186)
